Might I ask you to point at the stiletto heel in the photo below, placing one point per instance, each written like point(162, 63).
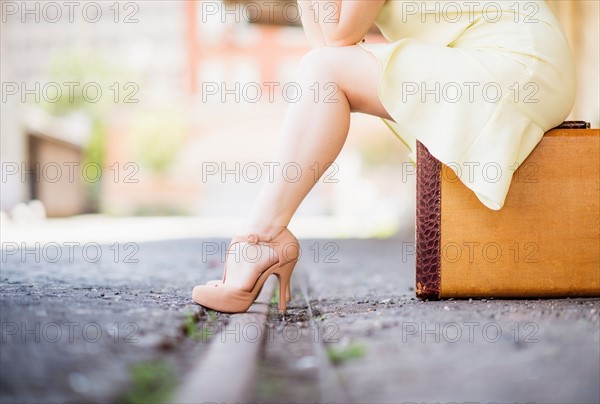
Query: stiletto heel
point(284, 273)
point(222, 297)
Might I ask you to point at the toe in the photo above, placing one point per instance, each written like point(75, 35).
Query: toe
point(196, 293)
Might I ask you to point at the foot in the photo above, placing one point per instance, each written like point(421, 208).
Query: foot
point(288, 292)
point(245, 261)
point(248, 256)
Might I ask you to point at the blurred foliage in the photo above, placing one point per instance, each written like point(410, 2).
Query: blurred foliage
point(151, 382)
point(350, 351)
point(83, 67)
point(158, 136)
point(94, 153)
point(80, 68)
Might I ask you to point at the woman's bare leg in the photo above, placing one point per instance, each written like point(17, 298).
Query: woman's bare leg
point(313, 134)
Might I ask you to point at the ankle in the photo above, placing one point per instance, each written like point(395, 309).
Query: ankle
point(270, 226)
point(262, 229)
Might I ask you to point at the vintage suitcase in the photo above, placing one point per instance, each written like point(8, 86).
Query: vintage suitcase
point(544, 242)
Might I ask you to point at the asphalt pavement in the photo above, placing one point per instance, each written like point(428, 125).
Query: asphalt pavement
point(115, 323)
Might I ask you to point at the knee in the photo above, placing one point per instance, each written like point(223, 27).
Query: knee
point(319, 65)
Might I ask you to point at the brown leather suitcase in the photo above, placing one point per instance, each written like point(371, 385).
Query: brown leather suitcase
point(544, 242)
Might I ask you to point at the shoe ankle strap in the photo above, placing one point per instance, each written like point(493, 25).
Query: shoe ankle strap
point(254, 238)
point(280, 248)
point(250, 238)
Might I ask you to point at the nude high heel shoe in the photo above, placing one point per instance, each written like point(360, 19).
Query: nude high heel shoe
point(229, 299)
point(288, 292)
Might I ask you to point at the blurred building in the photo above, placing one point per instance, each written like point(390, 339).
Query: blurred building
point(47, 46)
point(168, 115)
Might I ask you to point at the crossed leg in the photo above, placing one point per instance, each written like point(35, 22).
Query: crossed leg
point(313, 134)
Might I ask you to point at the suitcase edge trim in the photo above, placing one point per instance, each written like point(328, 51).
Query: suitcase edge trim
point(428, 225)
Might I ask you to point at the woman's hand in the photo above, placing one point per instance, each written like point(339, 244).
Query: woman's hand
point(344, 22)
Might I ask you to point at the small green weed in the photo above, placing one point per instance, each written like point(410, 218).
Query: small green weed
point(151, 382)
point(191, 330)
point(350, 351)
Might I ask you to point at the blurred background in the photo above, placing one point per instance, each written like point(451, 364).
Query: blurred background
point(157, 119)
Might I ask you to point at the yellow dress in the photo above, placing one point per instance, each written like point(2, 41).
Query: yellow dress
point(477, 82)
